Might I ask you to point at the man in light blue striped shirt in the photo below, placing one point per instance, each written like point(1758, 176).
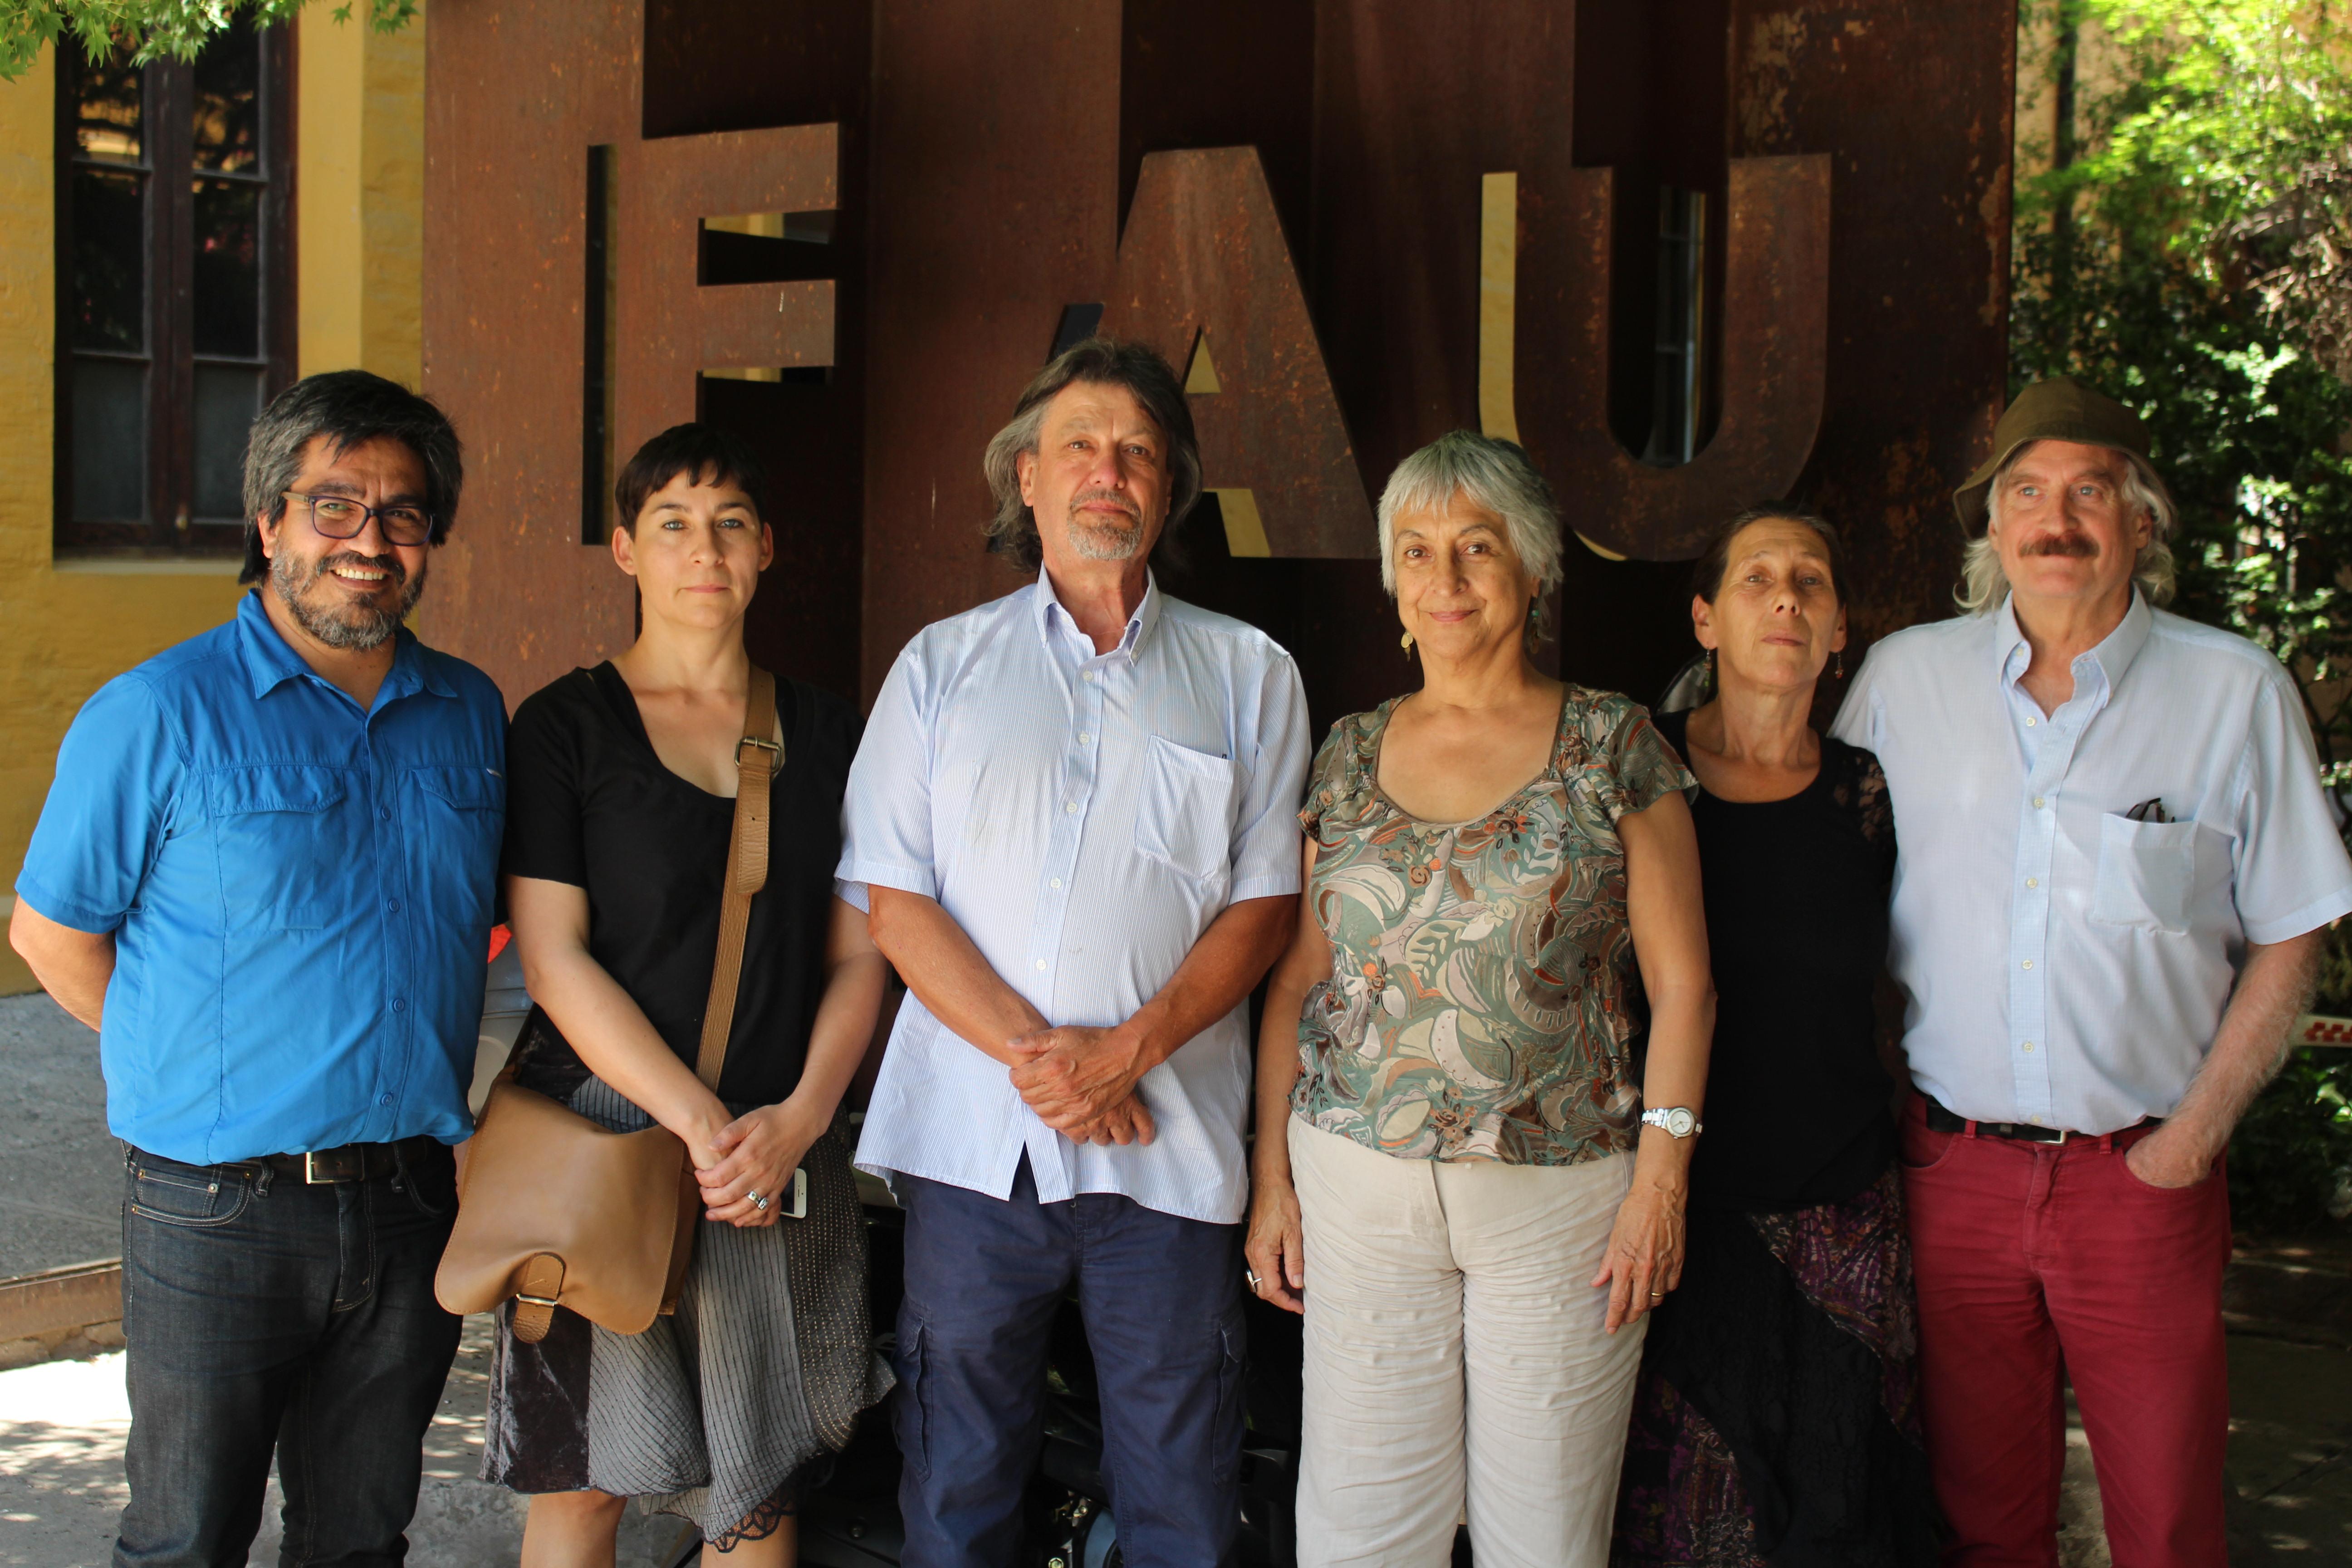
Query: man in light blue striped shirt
point(1074, 810)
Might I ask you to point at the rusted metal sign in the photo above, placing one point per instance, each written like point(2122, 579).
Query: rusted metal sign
point(1351, 224)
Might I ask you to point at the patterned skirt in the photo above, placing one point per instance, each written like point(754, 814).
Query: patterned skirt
point(1776, 1419)
point(724, 1412)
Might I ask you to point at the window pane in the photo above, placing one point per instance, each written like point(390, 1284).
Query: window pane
point(228, 397)
point(228, 111)
point(107, 110)
point(109, 259)
point(109, 441)
point(229, 268)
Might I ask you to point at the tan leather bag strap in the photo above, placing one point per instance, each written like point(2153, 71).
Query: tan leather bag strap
point(758, 758)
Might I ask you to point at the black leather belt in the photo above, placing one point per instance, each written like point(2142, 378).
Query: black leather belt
point(1942, 1120)
point(351, 1162)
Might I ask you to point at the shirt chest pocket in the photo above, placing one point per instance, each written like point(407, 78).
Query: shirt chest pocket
point(1183, 812)
point(457, 832)
point(285, 838)
point(2148, 874)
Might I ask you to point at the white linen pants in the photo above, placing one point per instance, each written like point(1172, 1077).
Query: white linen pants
point(1454, 1353)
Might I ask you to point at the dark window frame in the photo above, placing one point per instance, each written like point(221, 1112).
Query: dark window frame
point(170, 528)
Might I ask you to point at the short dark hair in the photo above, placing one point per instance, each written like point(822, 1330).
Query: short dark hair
point(1102, 362)
point(705, 453)
point(1707, 574)
point(350, 408)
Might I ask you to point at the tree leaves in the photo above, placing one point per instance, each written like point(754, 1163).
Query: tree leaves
point(143, 30)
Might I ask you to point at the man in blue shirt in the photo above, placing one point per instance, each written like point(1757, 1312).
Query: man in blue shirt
point(264, 875)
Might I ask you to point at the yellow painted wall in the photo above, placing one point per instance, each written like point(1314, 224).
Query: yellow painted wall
point(67, 627)
point(63, 631)
point(358, 182)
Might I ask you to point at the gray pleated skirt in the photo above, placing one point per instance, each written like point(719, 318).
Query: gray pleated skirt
point(725, 1412)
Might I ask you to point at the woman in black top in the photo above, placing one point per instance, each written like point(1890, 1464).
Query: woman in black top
point(620, 808)
point(1775, 1419)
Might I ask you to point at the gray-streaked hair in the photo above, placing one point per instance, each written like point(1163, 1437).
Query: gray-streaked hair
point(1102, 362)
point(1984, 585)
point(350, 408)
point(1493, 476)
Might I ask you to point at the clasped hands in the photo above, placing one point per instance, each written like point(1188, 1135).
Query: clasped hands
point(756, 1153)
point(1081, 1082)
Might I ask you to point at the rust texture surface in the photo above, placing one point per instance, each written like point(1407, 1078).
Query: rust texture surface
point(1203, 262)
point(1774, 346)
point(670, 326)
point(1299, 180)
point(515, 95)
point(1912, 103)
point(519, 593)
point(995, 205)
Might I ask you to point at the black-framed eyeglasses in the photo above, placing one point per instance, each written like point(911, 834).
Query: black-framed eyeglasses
point(339, 517)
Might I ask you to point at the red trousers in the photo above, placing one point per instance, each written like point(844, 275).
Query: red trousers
point(2037, 1263)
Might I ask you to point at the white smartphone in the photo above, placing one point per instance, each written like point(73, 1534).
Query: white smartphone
point(798, 1207)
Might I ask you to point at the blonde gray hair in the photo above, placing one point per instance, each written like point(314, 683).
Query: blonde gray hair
point(1493, 476)
point(1984, 586)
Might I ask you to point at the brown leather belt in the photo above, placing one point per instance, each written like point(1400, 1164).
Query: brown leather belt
point(1941, 1119)
point(351, 1162)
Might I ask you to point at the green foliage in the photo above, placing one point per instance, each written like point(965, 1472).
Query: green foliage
point(2186, 262)
point(144, 30)
point(2291, 1159)
point(2188, 254)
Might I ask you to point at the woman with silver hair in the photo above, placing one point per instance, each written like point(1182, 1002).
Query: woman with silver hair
point(1455, 1179)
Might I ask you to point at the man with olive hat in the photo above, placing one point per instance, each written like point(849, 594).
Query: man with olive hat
point(2117, 869)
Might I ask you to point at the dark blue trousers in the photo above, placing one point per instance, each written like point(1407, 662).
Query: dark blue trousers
point(268, 1315)
point(1161, 1298)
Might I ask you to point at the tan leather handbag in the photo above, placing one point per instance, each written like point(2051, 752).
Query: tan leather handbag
point(557, 1211)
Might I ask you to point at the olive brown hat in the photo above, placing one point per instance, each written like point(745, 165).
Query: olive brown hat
point(2058, 409)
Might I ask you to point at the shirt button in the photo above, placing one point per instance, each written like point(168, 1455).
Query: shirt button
point(1055, 883)
point(1089, 675)
point(385, 1101)
point(392, 906)
point(2029, 723)
point(2027, 1047)
point(2034, 881)
point(1070, 807)
point(1085, 739)
point(2037, 803)
point(384, 812)
point(2029, 964)
point(1041, 967)
point(399, 1005)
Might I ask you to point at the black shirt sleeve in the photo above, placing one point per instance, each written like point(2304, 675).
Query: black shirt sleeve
point(544, 835)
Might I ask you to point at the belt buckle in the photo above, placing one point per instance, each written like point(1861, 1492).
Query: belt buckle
point(338, 1168)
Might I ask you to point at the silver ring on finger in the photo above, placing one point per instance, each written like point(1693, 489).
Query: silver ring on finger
point(757, 1201)
point(1254, 1282)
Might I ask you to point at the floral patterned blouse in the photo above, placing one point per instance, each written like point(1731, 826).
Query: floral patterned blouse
point(1481, 971)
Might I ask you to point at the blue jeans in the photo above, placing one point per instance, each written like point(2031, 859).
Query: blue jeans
point(1161, 1298)
point(267, 1314)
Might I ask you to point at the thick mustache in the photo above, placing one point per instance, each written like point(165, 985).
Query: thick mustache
point(2071, 544)
point(1134, 513)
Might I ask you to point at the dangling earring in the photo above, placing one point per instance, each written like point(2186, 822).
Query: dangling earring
point(1405, 642)
point(1710, 669)
point(1840, 665)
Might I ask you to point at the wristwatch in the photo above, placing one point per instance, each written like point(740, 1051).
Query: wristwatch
point(1677, 1120)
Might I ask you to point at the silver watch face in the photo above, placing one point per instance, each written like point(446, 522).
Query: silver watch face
point(1678, 1122)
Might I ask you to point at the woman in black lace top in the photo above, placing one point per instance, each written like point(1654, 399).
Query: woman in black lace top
point(1775, 1421)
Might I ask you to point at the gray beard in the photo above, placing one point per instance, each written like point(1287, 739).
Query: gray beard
point(1096, 542)
point(354, 630)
